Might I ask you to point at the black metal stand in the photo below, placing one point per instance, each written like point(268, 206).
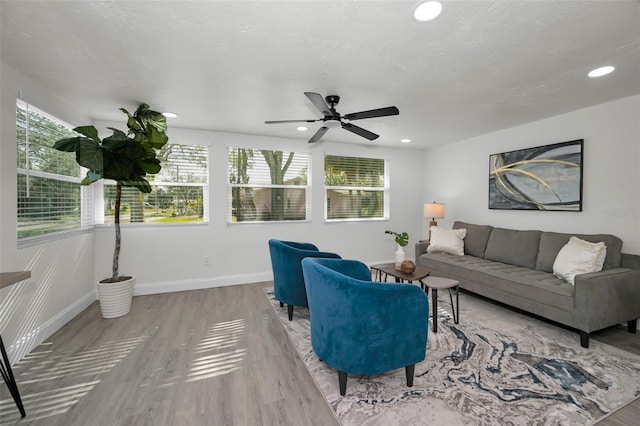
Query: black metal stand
point(455, 310)
point(7, 375)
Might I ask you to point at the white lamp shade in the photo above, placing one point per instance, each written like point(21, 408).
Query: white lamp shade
point(434, 210)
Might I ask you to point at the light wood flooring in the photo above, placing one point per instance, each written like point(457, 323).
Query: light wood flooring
point(205, 357)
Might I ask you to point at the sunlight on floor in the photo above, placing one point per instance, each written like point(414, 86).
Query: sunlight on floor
point(46, 404)
point(223, 335)
point(40, 366)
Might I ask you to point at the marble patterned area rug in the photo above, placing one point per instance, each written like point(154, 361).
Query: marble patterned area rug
point(496, 367)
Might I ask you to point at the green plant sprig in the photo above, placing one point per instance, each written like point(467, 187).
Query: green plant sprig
point(402, 238)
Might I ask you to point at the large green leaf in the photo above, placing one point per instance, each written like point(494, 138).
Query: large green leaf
point(132, 124)
point(151, 166)
point(141, 183)
point(90, 154)
point(88, 131)
point(116, 141)
point(68, 144)
point(117, 166)
point(156, 120)
point(157, 139)
point(135, 151)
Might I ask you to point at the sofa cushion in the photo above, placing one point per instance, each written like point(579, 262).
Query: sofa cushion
point(552, 242)
point(489, 277)
point(477, 237)
point(513, 247)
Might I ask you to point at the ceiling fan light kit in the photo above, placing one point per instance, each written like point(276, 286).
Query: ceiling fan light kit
point(332, 118)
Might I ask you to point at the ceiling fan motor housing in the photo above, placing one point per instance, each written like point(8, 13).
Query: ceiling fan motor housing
point(332, 100)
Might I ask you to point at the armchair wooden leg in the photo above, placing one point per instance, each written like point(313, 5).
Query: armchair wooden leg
point(342, 380)
point(290, 311)
point(584, 339)
point(409, 370)
point(281, 304)
point(632, 326)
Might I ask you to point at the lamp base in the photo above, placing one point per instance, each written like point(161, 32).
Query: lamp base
point(431, 223)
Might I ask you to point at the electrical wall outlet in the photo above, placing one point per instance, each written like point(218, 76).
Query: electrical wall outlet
point(207, 260)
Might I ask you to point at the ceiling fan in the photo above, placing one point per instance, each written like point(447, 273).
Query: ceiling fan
point(333, 119)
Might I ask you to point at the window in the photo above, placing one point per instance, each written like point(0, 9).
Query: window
point(267, 185)
point(49, 192)
point(356, 188)
point(179, 191)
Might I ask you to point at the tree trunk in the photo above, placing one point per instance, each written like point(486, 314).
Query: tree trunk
point(116, 250)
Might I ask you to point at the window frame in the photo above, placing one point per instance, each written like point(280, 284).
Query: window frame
point(385, 189)
point(100, 209)
point(85, 223)
point(307, 188)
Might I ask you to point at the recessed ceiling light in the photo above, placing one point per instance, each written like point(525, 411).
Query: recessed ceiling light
point(170, 114)
point(302, 128)
point(599, 72)
point(426, 11)
point(405, 140)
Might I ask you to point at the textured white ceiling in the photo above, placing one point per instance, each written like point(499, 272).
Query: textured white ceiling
point(231, 65)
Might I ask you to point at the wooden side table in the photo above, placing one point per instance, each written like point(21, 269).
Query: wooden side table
point(436, 283)
point(386, 269)
point(7, 279)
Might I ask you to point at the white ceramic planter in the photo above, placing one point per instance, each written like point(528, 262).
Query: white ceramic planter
point(399, 257)
point(115, 298)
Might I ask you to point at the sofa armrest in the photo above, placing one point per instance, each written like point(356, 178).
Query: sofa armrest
point(421, 248)
point(630, 261)
point(606, 298)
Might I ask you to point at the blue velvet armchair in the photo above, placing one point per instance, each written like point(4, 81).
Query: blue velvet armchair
point(363, 327)
point(288, 281)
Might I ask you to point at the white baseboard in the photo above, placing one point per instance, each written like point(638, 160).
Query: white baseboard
point(200, 283)
point(35, 337)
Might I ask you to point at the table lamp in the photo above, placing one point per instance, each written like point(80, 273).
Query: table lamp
point(434, 211)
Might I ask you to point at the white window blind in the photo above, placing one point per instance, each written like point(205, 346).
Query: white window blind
point(49, 194)
point(266, 185)
point(180, 191)
point(356, 188)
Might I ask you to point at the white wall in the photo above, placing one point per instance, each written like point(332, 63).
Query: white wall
point(172, 258)
point(457, 174)
point(62, 271)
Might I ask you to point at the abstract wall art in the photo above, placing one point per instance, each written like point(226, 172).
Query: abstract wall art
point(546, 177)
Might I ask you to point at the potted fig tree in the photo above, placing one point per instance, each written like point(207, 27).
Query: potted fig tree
point(125, 158)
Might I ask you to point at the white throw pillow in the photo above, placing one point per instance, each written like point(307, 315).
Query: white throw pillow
point(579, 257)
point(447, 240)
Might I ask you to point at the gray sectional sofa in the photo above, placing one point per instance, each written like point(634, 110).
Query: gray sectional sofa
point(516, 268)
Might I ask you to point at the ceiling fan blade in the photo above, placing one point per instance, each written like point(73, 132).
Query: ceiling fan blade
point(319, 134)
point(372, 113)
point(360, 131)
point(319, 102)
point(290, 121)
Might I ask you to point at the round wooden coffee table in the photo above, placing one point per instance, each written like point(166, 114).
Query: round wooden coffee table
point(438, 283)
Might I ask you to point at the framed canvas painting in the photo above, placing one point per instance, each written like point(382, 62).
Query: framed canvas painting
point(546, 177)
